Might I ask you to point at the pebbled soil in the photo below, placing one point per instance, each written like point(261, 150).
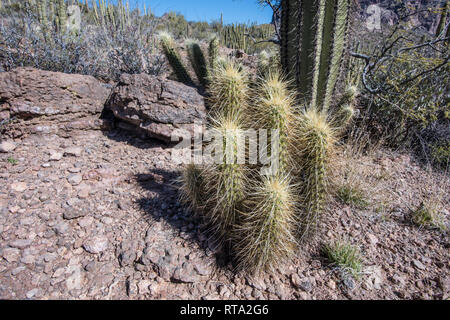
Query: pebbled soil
point(95, 216)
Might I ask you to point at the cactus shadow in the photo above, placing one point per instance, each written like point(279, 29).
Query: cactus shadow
point(162, 203)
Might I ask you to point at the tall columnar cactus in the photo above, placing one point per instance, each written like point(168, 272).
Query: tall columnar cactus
point(62, 15)
point(198, 62)
point(313, 37)
point(174, 58)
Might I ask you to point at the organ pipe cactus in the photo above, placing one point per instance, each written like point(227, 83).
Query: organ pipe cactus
point(313, 37)
point(62, 15)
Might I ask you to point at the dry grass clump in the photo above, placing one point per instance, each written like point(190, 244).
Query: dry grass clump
point(344, 256)
point(428, 215)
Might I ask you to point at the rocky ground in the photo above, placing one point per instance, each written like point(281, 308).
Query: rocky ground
point(94, 216)
point(88, 210)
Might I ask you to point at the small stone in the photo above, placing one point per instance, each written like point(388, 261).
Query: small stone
point(143, 286)
point(84, 192)
point(7, 146)
point(28, 259)
point(418, 264)
point(61, 228)
point(348, 283)
point(96, 244)
point(305, 285)
point(19, 186)
point(295, 279)
point(331, 284)
point(20, 243)
point(185, 274)
point(398, 280)
point(85, 222)
point(17, 270)
point(30, 294)
point(73, 151)
point(372, 239)
point(55, 156)
point(375, 278)
point(75, 179)
point(10, 254)
point(58, 273)
point(73, 213)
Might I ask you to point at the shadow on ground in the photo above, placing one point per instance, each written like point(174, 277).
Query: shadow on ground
point(163, 203)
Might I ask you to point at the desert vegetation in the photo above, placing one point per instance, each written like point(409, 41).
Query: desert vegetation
point(331, 93)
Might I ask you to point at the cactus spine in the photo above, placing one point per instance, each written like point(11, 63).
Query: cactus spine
point(266, 233)
point(228, 89)
point(313, 35)
point(315, 142)
point(213, 52)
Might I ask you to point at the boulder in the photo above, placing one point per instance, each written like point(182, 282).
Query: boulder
point(156, 107)
point(37, 101)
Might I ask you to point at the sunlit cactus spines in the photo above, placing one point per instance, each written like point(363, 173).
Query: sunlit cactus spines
point(273, 108)
point(229, 88)
point(266, 235)
point(315, 142)
point(225, 183)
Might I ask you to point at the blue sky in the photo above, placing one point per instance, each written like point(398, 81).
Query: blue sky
point(208, 10)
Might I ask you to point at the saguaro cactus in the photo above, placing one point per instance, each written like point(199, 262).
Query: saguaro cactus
point(313, 34)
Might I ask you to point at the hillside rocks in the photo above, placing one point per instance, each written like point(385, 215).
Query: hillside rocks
point(155, 107)
point(37, 101)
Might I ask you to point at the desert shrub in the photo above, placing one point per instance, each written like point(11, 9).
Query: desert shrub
point(408, 107)
point(104, 51)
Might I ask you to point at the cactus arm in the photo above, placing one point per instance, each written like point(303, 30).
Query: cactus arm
point(340, 34)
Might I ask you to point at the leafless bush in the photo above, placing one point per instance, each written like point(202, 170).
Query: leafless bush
point(99, 51)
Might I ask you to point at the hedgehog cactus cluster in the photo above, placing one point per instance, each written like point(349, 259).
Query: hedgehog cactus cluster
point(264, 217)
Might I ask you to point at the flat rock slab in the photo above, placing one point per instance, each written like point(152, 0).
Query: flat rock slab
point(155, 106)
point(51, 102)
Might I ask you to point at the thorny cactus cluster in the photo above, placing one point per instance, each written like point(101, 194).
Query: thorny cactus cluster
point(263, 218)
